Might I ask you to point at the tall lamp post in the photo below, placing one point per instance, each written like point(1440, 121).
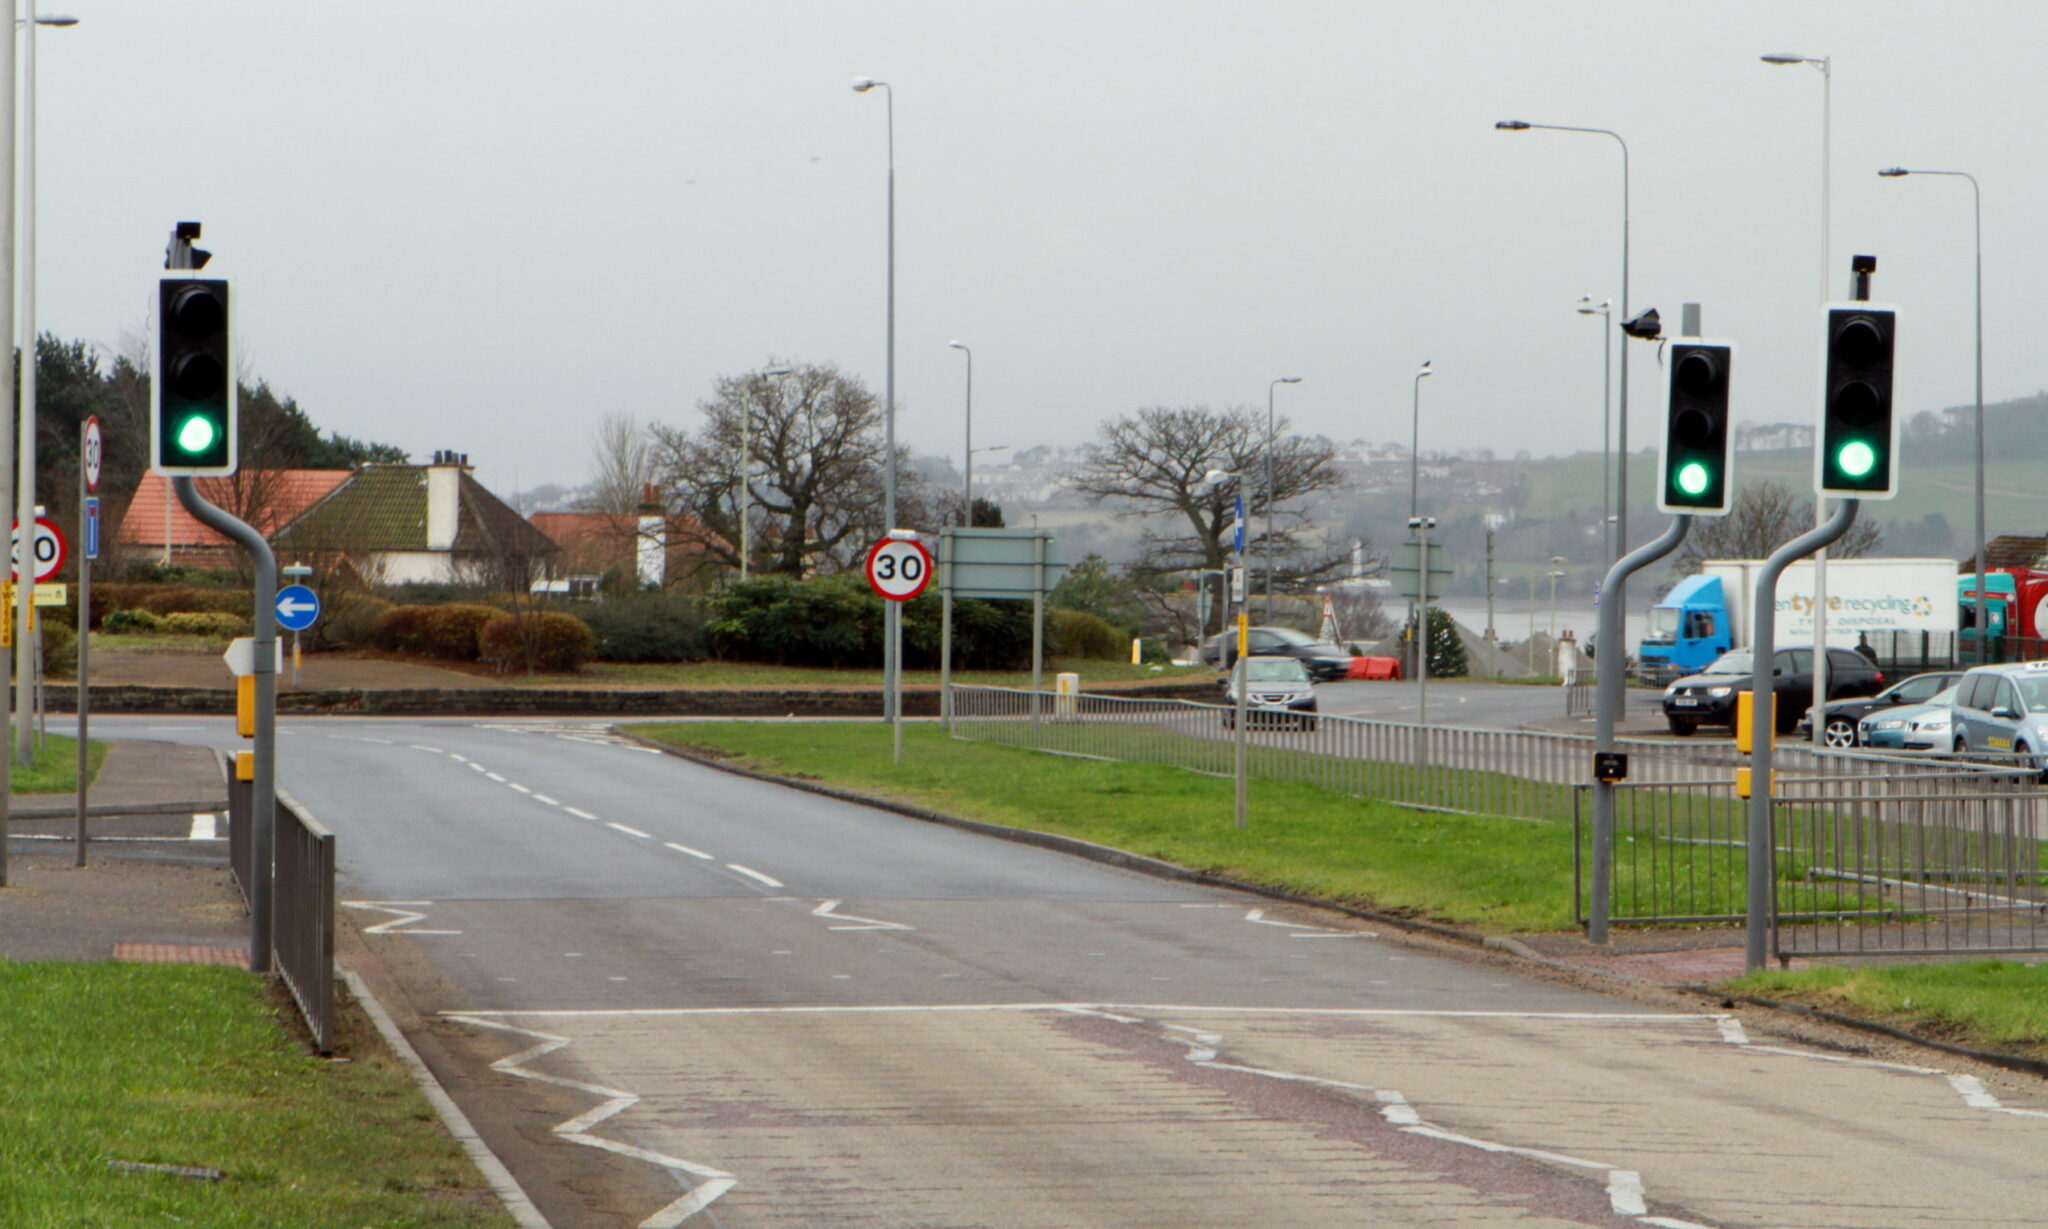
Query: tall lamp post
point(1586, 308)
point(25, 450)
point(747, 475)
point(1269, 487)
point(1826, 66)
point(1621, 432)
point(1415, 439)
point(892, 639)
point(1977, 214)
point(967, 486)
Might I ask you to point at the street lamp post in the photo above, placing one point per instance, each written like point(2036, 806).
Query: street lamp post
point(1270, 439)
point(747, 476)
point(1241, 703)
point(967, 487)
point(892, 638)
point(1977, 214)
point(1557, 562)
point(25, 450)
point(1605, 313)
point(1621, 431)
point(1415, 440)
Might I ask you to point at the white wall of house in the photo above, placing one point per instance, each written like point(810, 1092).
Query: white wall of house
point(412, 567)
point(444, 505)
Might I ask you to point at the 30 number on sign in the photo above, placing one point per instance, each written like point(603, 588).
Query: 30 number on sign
point(899, 568)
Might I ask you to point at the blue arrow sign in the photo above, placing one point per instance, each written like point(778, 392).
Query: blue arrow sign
point(297, 607)
point(1237, 530)
point(92, 527)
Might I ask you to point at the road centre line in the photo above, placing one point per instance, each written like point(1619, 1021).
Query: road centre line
point(543, 798)
point(495, 777)
point(422, 747)
point(1100, 1008)
point(579, 813)
point(751, 873)
point(521, 788)
point(629, 831)
point(695, 853)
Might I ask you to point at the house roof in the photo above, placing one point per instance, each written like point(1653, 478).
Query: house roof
point(2010, 551)
point(384, 508)
point(612, 533)
point(289, 492)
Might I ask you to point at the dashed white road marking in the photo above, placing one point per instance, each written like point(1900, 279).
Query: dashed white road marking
point(695, 853)
point(404, 912)
point(630, 831)
point(829, 909)
point(579, 813)
point(1303, 930)
point(751, 873)
point(203, 826)
point(460, 759)
point(1625, 1192)
point(543, 798)
point(424, 747)
point(516, 785)
point(495, 777)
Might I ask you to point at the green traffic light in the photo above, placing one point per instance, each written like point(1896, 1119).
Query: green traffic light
point(196, 434)
point(1693, 478)
point(1856, 459)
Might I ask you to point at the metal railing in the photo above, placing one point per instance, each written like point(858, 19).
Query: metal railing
point(1579, 697)
point(301, 902)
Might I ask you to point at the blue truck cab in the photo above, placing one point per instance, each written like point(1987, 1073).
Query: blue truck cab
point(1688, 629)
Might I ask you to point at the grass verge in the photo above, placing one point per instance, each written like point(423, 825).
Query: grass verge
point(55, 769)
point(1996, 1004)
point(759, 674)
point(1492, 874)
point(188, 1066)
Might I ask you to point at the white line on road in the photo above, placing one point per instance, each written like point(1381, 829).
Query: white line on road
point(1258, 916)
point(578, 813)
point(203, 827)
point(460, 759)
point(424, 747)
point(545, 799)
point(695, 853)
point(495, 777)
point(521, 788)
point(750, 873)
point(403, 911)
point(1155, 1008)
point(629, 831)
point(1625, 1192)
point(827, 909)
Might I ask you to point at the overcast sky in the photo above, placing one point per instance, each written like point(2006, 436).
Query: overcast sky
point(483, 226)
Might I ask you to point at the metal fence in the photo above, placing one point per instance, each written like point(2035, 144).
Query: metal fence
point(1903, 653)
point(1579, 698)
point(301, 902)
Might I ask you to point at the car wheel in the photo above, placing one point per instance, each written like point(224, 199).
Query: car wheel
point(1681, 729)
point(1841, 732)
point(1961, 746)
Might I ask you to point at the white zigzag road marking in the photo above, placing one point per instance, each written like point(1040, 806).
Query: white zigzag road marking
point(711, 1183)
point(828, 909)
point(404, 912)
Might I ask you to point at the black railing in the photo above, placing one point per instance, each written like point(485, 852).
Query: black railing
point(301, 901)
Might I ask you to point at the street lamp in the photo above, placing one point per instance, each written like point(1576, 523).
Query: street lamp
point(1241, 701)
point(1269, 487)
point(892, 639)
point(967, 492)
point(1557, 563)
point(1606, 315)
point(1415, 440)
point(25, 450)
point(1621, 433)
point(747, 474)
point(1977, 214)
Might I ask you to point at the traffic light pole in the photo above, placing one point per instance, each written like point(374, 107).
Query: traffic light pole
point(1609, 691)
point(1764, 641)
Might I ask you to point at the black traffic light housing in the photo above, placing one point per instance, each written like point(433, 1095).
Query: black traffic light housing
point(192, 386)
point(1698, 447)
point(1859, 433)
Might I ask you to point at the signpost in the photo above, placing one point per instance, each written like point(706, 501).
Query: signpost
point(49, 550)
point(1002, 565)
point(898, 569)
point(297, 609)
point(91, 448)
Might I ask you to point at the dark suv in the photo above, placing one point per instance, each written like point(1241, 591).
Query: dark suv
point(1708, 698)
point(1325, 661)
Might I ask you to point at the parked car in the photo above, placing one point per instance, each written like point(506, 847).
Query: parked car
point(1708, 698)
point(1912, 727)
point(1277, 690)
point(1843, 715)
point(1325, 661)
point(2004, 710)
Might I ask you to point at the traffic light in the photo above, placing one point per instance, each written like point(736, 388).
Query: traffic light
point(192, 397)
point(1696, 437)
point(1858, 432)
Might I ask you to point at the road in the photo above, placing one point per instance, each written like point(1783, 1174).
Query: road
point(669, 994)
point(1490, 706)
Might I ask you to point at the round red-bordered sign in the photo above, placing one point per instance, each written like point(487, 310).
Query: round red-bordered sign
point(899, 568)
point(49, 550)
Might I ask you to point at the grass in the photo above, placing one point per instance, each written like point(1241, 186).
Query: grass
point(55, 770)
point(188, 1065)
point(1495, 874)
point(757, 674)
point(2000, 1003)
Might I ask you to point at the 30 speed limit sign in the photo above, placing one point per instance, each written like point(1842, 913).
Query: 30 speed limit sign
point(899, 568)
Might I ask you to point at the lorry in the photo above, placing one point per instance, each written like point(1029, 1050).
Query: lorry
point(2016, 601)
point(1707, 614)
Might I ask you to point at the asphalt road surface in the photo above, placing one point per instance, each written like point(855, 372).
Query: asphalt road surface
point(1491, 706)
point(668, 994)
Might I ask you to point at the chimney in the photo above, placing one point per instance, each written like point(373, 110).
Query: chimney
point(651, 540)
point(444, 500)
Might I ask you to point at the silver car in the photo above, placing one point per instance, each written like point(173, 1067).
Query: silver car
point(1277, 690)
point(1912, 727)
point(2004, 710)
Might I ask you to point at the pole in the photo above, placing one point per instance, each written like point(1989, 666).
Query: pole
point(967, 486)
point(25, 672)
point(1821, 664)
point(1607, 539)
point(84, 655)
point(1489, 588)
point(1037, 621)
point(7, 370)
point(892, 665)
point(1762, 855)
point(1240, 679)
point(747, 484)
point(1422, 626)
point(946, 541)
point(1610, 695)
point(1983, 599)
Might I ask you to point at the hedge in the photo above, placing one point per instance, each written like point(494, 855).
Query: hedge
point(646, 627)
point(546, 640)
point(448, 632)
point(837, 621)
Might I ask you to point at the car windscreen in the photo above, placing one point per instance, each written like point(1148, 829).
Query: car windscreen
point(1267, 670)
point(1664, 621)
point(1946, 695)
point(1287, 635)
point(2033, 690)
point(1741, 661)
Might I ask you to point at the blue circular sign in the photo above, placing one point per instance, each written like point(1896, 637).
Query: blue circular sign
point(297, 607)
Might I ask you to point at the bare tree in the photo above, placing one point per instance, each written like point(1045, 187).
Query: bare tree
point(1155, 462)
point(815, 467)
point(623, 463)
point(1763, 517)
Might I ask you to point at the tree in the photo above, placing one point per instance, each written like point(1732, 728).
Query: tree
point(1446, 647)
point(1763, 517)
point(816, 469)
point(623, 466)
point(1089, 586)
point(1156, 461)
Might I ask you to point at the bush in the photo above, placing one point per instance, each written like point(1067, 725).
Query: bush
point(60, 649)
point(546, 640)
point(349, 619)
point(1076, 633)
point(168, 599)
point(646, 627)
point(448, 633)
point(131, 622)
point(206, 623)
point(837, 621)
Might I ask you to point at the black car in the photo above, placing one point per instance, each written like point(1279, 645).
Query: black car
point(1325, 661)
point(1708, 698)
point(1840, 730)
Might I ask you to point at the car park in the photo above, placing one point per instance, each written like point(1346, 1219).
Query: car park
point(1841, 728)
point(2003, 710)
point(1278, 691)
point(1709, 697)
point(1325, 661)
point(1911, 727)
